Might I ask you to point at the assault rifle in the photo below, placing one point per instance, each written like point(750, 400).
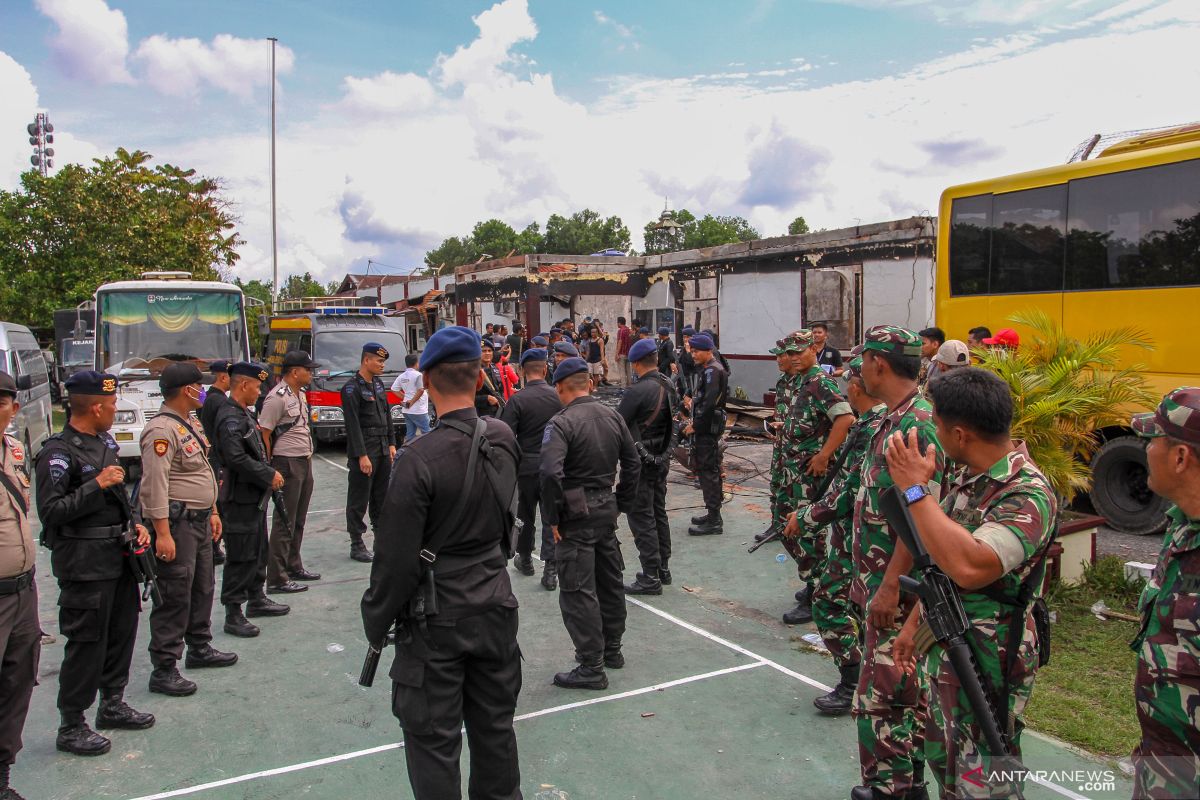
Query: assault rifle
point(141, 558)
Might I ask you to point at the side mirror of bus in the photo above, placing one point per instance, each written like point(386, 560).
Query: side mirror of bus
point(24, 383)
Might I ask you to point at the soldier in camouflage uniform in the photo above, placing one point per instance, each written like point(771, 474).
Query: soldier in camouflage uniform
point(814, 428)
point(886, 698)
point(785, 352)
point(1167, 686)
point(839, 621)
point(990, 536)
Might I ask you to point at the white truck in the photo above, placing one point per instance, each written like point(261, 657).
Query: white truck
point(144, 325)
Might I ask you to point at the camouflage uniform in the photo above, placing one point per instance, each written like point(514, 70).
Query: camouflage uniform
point(886, 700)
point(1167, 686)
point(785, 389)
point(1011, 508)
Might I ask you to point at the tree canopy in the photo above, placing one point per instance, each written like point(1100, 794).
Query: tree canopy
point(581, 233)
point(797, 227)
point(691, 233)
point(64, 234)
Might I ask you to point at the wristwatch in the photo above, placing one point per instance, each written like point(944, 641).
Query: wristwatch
point(915, 492)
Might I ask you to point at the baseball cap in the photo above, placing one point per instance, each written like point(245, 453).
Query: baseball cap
point(953, 353)
point(1005, 337)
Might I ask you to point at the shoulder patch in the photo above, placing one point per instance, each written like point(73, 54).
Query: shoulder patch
point(18, 452)
point(348, 388)
point(109, 441)
point(546, 434)
point(161, 446)
point(182, 431)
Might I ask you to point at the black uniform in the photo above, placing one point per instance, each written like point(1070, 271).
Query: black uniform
point(98, 601)
point(492, 387)
point(666, 355)
point(465, 666)
point(648, 408)
point(708, 424)
point(247, 480)
point(369, 432)
point(829, 356)
point(580, 451)
point(527, 414)
point(685, 380)
point(213, 400)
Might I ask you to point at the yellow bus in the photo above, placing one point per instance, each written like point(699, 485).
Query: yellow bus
point(1098, 244)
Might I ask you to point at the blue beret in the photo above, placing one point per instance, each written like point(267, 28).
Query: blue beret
point(664, 331)
point(569, 367)
point(218, 366)
point(643, 330)
point(375, 349)
point(566, 348)
point(92, 383)
point(540, 341)
point(688, 330)
point(701, 341)
point(249, 369)
point(449, 345)
point(535, 354)
point(544, 334)
point(641, 348)
point(556, 330)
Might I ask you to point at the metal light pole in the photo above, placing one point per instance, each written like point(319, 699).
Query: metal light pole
point(41, 134)
point(274, 224)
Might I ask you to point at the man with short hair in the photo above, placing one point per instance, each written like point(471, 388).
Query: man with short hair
point(489, 331)
point(665, 349)
point(828, 357)
point(561, 351)
point(624, 340)
point(990, 536)
point(976, 336)
point(284, 424)
point(528, 413)
point(489, 396)
point(179, 497)
point(1166, 761)
point(410, 387)
point(214, 398)
point(931, 340)
point(581, 448)
point(707, 424)
point(370, 445)
point(595, 356)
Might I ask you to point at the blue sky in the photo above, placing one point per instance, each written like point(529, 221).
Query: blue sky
point(401, 123)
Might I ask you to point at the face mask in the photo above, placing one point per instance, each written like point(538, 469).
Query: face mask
point(199, 398)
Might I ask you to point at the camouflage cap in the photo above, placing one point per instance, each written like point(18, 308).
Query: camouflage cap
point(892, 339)
point(854, 368)
point(856, 351)
point(794, 342)
point(1177, 416)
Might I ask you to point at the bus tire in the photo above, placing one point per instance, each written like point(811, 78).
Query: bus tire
point(1119, 490)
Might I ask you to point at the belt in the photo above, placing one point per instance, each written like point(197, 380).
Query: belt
point(18, 583)
point(103, 532)
point(197, 514)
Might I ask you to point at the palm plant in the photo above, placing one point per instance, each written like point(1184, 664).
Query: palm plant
point(1064, 390)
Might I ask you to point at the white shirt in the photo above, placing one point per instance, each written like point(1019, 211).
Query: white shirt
point(410, 382)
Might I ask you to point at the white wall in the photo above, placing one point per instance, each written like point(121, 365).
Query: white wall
point(898, 293)
point(756, 309)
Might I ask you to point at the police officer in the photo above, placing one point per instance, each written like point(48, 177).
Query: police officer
point(1167, 759)
point(370, 445)
point(179, 496)
point(685, 378)
point(214, 398)
point(462, 665)
point(562, 351)
point(580, 450)
point(288, 438)
point(648, 408)
point(85, 513)
point(248, 481)
point(489, 396)
point(708, 425)
point(20, 633)
point(666, 351)
point(527, 414)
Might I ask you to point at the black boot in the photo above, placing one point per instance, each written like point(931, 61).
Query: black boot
point(710, 526)
point(77, 738)
point(799, 615)
point(524, 563)
point(664, 574)
point(613, 658)
point(583, 677)
point(359, 550)
point(208, 656)
point(6, 791)
point(804, 595)
point(700, 518)
point(550, 576)
point(262, 606)
point(868, 793)
point(838, 702)
point(168, 681)
point(236, 623)
point(919, 790)
point(218, 553)
point(644, 584)
point(116, 713)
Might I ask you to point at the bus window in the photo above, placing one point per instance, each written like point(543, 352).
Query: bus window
point(970, 244)
point(1028, 230)
point(1136, 229)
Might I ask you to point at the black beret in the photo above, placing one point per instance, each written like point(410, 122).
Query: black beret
point(298, 358)
point(7, 384)
point(181, 373)
point(219, 366)
point(375, 349)
point(92, 383)
point(249, 369)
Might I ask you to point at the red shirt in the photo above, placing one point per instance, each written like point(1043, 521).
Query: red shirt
point(623, 342)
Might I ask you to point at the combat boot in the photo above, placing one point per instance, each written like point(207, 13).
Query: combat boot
point(799, 615)
point(6, 791)
point(236, 623)
point(359, 550)
point(583, 677)
point(208, 656)
point(168, 681)
point(838, 702)
point(644, 584)
point(613, 658)
point(710, 526)
point(524, 563)
point(116, 713)
point(804, 595)
point(700, 518)
point(218, 553)
point(77, 738)
point(664, 575)
point(550, 576)
point(262, 606)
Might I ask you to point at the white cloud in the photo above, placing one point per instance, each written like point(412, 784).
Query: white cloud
point(184, 66)
point(388, 92)
point(624, 33)
point(92, 40)
point(18, 110)
point(501, 27)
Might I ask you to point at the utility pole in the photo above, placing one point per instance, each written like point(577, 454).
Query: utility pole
point(41, 134)
point(274, 222)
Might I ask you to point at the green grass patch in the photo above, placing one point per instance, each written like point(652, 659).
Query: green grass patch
point(59, 419)
point(1085, 694)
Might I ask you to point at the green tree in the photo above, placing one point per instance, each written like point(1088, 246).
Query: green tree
point(297, 286)
point(332, 287)
point(693, 233)
point(797, 227)
point(667, 238)
point(258, 290)
point(62, 235)
point(452, 252)
point(585, 232)
point(494, 237)
point(530, 240)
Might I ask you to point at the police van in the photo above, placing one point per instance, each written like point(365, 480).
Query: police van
point(333, 331)
point(21, 357)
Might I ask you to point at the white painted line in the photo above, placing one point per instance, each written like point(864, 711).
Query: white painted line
point(342, 467)
point(320, 762)
point(328, 511)
point(1064, 791)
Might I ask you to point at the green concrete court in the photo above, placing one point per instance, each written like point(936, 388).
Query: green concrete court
point(715, 702)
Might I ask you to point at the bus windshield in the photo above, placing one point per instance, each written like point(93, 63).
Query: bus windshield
point(340, 352)
point(141, 332)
